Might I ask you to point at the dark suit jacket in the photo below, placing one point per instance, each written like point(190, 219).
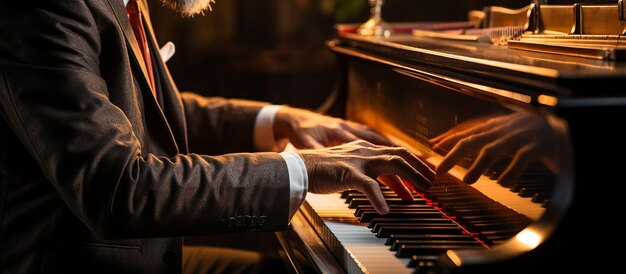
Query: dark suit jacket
point(95, 177)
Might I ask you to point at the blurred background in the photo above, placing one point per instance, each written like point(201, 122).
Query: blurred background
point(275, 50)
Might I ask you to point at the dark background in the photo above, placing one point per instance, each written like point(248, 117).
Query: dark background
point(274, 50)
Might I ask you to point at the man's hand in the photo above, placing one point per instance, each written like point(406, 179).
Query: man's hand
point(357, 165)
point(524, 137)
point(307, 129)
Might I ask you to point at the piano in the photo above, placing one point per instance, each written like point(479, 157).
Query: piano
point(527, 137)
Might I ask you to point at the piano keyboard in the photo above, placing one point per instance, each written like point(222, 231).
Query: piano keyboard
point(451, 215)
point(347, 238)
point(502, 194)
point(527, 196)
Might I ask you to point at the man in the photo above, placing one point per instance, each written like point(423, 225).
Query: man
point(105, 165)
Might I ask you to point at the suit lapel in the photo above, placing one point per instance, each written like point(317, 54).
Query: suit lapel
point(122, 18)
point(173, 103)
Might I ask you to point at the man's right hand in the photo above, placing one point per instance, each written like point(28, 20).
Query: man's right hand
point(357, 165)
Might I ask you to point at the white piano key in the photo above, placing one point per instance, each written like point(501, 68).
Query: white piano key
point(368, 252)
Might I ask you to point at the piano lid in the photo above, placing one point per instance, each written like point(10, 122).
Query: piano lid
point(546, 48)
point(531, 73)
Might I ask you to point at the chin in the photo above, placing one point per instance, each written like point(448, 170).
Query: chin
point(189, 8)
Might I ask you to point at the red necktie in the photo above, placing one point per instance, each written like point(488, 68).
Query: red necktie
point(134, 15)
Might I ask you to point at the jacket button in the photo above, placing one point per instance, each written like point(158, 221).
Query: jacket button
point(170, 257)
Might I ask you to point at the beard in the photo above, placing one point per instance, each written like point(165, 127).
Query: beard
point(189, 8)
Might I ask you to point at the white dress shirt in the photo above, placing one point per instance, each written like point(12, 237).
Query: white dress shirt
point(264, 140)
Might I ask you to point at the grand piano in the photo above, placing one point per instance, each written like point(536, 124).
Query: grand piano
point(525, 134)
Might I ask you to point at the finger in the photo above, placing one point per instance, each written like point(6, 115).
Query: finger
point(395, 183)
point(310, 142)
point(480, 129)
point(521, 160)
point(455, 131)
point(439, 137)
point(487, 158)
point(458, 152)
point(342, 136)
point(448, 139)
point(468, 145)
point(490, 153)
point(458, 128)
point(414, 161)
point(369, 135)
point(356, 125)
point(371, 189)
point(363, 143)
point(398, 166)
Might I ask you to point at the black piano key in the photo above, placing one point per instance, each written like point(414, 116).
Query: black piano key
point(422, 260)
point(396, 244)
point(345, 194)
point(406, 212)
point(386, 195)
point(508, 184)
point(407, 237)
point(530, 178)
point(367, 216)
point(501, 215)
point(494, 240)
point(499, 234)
point(450, 193)
point(458, 207)
point(481, 219)
point(538, 197)
point(420, 220)
point(530, 191)
point(379, 226)
point(459, 202)
point(386, 231)
point(363, 208)
point(406, 251)
point(433, 221)
point(494, 225)
point(472, 211)
point(355, 202)
point(520, 185)
point(359, 212)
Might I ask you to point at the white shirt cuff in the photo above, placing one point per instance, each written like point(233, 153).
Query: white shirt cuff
point(298, 180)
point(264, 139)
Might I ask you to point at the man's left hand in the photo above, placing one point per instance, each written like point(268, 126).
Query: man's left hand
point(307, 129)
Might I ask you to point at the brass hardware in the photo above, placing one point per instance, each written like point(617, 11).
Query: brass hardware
point(376, 25)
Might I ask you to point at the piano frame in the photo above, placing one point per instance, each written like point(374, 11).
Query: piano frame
point(586, 94)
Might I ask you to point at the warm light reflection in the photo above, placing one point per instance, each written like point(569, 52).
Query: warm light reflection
point(528, 238)
point(454, 258)
point(547, 100)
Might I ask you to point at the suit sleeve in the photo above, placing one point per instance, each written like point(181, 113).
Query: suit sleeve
point(56, 103)
point(227, 122)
